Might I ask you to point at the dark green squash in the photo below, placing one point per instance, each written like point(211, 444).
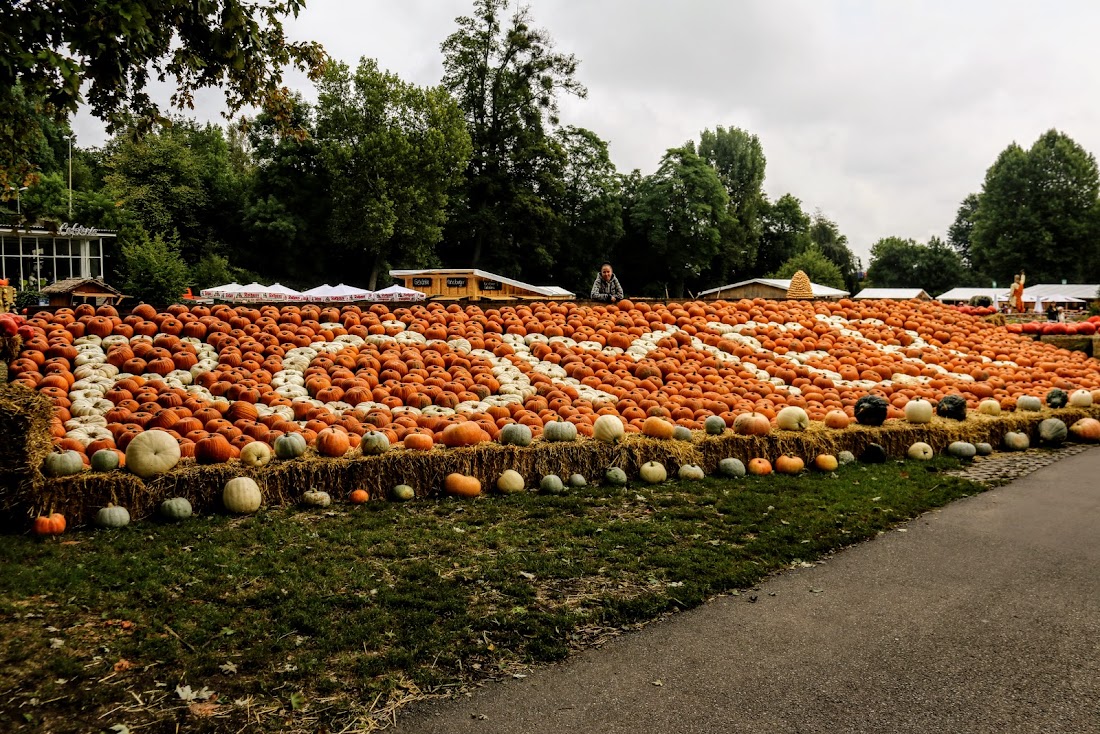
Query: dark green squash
point(871, 410)
point(873, 454)
point(1057, 398)
point(952, 406)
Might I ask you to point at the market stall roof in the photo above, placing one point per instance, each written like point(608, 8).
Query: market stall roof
point(399, 293)
point(1082, 291)
point(549, 291)
point(784, 284)
point(956, 295)
point(221, 291)
point(279, 292)
point(895, 294)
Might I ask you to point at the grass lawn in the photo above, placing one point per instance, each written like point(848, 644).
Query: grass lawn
point(329, 620)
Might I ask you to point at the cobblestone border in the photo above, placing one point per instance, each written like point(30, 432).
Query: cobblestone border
point(1004, 466)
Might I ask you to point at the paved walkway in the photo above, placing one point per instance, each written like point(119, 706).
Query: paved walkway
point(983, 616)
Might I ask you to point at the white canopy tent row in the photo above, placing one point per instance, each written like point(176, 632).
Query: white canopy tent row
point(278, 293)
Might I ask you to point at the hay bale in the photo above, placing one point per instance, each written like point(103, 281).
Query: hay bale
point(25, 425)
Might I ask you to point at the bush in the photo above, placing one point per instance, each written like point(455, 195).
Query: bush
point(27, 299)
point(155, 272)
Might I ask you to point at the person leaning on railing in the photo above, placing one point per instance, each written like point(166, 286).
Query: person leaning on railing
point(606, 287)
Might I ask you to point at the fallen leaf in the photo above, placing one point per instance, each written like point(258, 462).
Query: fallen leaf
point(203, 709)
point(120, 729)
point(816, 591)
point(56, 642)
point(658, 683)
point(528, 576)
point(228, 668)
point(122, 665)
point(297, 701)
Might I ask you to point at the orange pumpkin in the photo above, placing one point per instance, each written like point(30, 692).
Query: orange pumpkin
point(333, 442)
point(358, 496)
point(760, 467)
point(466, 433)
point(656, 427)
point(418, 441)
point(789, 464)
point(462, 485)
point(52, 524)
point(752, 424)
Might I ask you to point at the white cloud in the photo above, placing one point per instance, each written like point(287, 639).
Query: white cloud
point(883, 115)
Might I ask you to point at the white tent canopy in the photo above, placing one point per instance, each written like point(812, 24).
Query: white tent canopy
point(279, 292)
point(399, 293)
point(221, 291)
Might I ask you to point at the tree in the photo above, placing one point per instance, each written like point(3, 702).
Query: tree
point(817, 267)
point(590, 207)
point(393, 151)
point(958, 234)
point(785, 232)
point(506, 78)
point(905, 263)
point(154, 272)
point(825, 234)
point(55, 56)
point(1039, 210)
point(738, 159)
point(682, 209)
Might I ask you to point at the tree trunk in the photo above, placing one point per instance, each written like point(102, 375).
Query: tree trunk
point(374, 272)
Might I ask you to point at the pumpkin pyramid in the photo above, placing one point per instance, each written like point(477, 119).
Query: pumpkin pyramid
point(800, 287)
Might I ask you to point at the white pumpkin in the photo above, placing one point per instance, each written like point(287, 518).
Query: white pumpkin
point(989, 406)
point(510, 481)
point(690, 471)
point(653, 472)
point(316, 498)
point(152, 452)
point(256, 454)
point(609, 429)
point(1080, 398)
point(921, 451)
point(241, 495)
point(792, 418)
point(918, 411)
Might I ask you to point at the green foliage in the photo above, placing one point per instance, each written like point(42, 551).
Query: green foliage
point(785, 232)
point(28, 298)
point(826, 236)
point(211, 270)
point(154, 271)
point(1039, 210)
point(683, 210)
point(905, 263)
point(817, 267)
point(738, 159)
point(103, 52)
point(958, 234)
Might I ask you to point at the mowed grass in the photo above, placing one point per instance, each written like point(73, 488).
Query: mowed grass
point(329, 620)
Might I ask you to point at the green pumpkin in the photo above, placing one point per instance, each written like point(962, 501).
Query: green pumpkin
point(871, 410)
point(731, 467)
point(714, 425)
point(62, 464)
point(515, 434)
point(952, 406)
point(962, 450)
point(615, 476)
point(845, 457)
point(1052, 432)
point(175, 508)
point(402, 493)
point(1016, 441)
point(104, 460)
point(577, 480)
point(1057, 398)
point(873, 454)
point(290, 446)
point(983, 449)
point(690, 471)
point(374, 443)
point(681, 433)
point(559, 431)
point(1029, 403)
point(551, 484)
point(112, 516)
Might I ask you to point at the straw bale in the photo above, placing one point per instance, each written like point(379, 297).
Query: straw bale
point(25, 426)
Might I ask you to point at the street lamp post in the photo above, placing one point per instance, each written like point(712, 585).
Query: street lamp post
point(71, 177)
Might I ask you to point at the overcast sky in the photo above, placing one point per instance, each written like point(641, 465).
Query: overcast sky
point(883, 114)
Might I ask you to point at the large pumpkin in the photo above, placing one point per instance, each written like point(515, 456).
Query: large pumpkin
point(515, 434)
point(792, 418)
point(1029, 403)
point(731, 467)
point(785, 464)
point(242, 495)
point(510, 482)
point(333, 442)
point(752, 424)
point(1052, 432)
point(656, 427)
point(871, 410)
point(1016, 441)
point(62, 464)
point(462, 485)
point(1086, 429)
point(175, 509)
point(714, 425)
point(152, 452)
point(112, 516)
point(918, 411)
point(559, 431)
point(374, 443)
point(467, 433)
point(653, 472)
point(290, 446)
point(609, 429)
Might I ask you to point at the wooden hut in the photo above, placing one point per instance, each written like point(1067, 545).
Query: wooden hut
point(74, 291)
point(453, 284)
point(770, 288)
point(892, 294)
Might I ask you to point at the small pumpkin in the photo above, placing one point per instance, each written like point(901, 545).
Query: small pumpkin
point(845, 457)
point(691, 472)
point(467, 433)
point(657, 427)
point(112, 516)
point(404, 492)
point(175, 509)
point(152, 452)
point(826, 462)
point(1052, 432)
point(1029, 403)
point(962, 450)
point(1086, 429)
point(510, 481)
point(359, 496)
point(577, 480)
point(256, 454)
point(653, 472)
point(873, 454)
point(462, 485)
point(1016, 441)
point(214, 449)
point(62, 463)
point(52, 524)
point(316, 498)
point(730, 467)
point(104, 460)
point(752, 424)
point(920, 451)
point(290, 446)
point(608, 429)
point(332, 442)
point(952, 406)
point(760, 467)
point(1057, 398)
point(515, 434)
point(989, 406)
point(918, 411)
point(615, 476)
point(837, 420)
point(242, 495)
point(418, 442)
point(792, 418)
point(681, 433)
point(714, 425)
point(551, 484)
point(373, 443)
point(785, 464)
point(1081, 398)
point(983, 449)
point(562, 431)
point(871, 410)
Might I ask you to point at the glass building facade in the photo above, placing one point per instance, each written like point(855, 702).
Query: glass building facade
point(37, 254)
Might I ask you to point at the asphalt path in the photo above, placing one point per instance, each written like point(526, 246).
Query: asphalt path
point(983, 616)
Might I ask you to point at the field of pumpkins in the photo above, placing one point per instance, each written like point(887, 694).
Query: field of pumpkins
point(152, 406)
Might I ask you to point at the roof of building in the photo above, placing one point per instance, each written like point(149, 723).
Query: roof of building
point(965, 294)
point(71, 284)
point(820, 291)
point(550, 291)
point(1087, 292)
point(896, 294)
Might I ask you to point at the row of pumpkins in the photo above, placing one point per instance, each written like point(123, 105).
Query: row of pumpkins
point(242, 495)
